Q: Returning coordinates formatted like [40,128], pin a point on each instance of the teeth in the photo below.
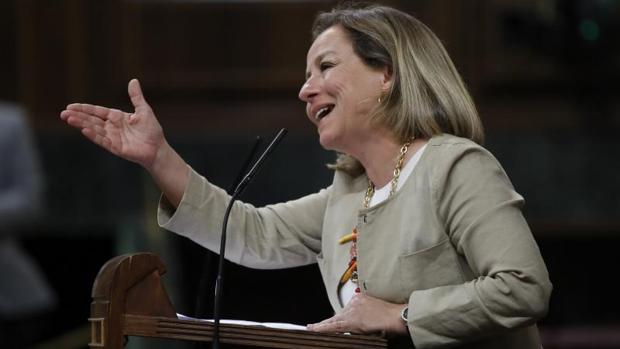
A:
[321,113]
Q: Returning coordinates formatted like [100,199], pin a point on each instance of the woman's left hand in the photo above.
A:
[365,314]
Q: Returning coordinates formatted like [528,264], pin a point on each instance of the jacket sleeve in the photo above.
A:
[481,213]
[275,236]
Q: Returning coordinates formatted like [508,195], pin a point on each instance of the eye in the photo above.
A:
[326,65]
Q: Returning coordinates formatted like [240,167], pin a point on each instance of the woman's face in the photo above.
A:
[340,91]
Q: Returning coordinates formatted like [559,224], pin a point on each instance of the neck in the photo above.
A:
[379,159]
[379,163]
[378,155]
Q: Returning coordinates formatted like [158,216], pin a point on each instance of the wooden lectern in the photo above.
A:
[130,300]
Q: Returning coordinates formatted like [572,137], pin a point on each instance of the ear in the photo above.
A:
[386,78]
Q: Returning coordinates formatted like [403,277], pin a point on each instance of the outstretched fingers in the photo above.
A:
[81,120]
[92,127]
[89,109]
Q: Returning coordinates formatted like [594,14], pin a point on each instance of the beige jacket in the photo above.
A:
[452,243]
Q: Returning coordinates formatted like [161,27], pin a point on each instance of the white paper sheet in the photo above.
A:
[280,325]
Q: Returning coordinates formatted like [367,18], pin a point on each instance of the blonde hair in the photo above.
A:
[427,96]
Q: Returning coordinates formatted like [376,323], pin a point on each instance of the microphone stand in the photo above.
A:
[238,191]
[206,264]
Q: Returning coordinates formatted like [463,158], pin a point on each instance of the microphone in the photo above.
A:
[238,191]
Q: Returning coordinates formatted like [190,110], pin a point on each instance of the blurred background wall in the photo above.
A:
[543,73]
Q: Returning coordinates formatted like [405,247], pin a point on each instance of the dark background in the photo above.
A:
[544,75]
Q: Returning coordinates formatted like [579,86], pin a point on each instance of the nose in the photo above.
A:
[308,90]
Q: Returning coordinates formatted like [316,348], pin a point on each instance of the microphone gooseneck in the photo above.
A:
[238,191]
[205,276]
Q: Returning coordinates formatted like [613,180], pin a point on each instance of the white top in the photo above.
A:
[347,291]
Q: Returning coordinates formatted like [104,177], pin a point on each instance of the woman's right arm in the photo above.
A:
[137,137]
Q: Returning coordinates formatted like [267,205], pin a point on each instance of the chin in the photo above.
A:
[329,142]
[325,141]
[324,144]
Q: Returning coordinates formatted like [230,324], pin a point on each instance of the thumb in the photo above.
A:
[135,93]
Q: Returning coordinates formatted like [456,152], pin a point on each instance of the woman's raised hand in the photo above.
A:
[136,136]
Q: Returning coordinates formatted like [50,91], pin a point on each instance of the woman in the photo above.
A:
[420,233]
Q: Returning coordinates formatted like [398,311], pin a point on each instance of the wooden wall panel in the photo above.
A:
[68,51]
[225,46]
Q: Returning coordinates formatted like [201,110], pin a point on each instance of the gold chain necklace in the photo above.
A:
[351,272]
[395,175]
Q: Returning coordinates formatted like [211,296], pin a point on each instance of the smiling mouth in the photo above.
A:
[323,112]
